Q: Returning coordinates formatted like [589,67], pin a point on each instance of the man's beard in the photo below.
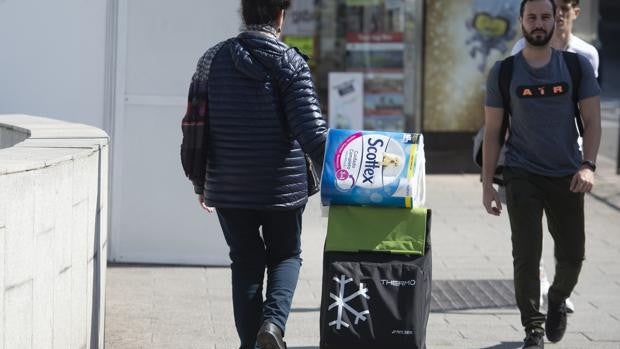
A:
[534,41]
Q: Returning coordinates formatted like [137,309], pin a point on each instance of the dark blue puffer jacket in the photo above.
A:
[263,114]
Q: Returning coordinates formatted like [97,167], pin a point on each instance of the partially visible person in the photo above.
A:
[564,40]
[252,114]
[544,171]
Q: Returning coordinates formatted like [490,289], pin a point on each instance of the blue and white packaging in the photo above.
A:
[373,168]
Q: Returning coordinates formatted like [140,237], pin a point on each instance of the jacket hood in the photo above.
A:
[256,54]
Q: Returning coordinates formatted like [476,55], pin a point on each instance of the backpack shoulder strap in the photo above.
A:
[504,80]
[574,68]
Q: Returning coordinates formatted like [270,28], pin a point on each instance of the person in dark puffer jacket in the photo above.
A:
[252,114]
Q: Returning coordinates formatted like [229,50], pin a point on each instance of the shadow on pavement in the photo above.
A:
[502,345]
[506,345]
[455,295]
[609,201]
[305,310]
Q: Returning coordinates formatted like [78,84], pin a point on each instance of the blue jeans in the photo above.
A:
[278,249]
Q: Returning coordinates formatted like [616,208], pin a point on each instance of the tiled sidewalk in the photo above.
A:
[176,307]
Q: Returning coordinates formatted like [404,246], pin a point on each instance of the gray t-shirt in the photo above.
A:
[543,134]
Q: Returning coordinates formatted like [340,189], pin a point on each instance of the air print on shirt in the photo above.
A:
[540,91]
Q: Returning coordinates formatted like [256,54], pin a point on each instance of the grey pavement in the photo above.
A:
[190,307]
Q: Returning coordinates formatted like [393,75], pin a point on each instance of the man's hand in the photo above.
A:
[489,196]
[491,148]
[201,200]
[583,181]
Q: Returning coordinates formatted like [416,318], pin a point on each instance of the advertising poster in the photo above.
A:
[346,100]
[364,2]
[384,101]
[376,52]
[304,43]
[463,40]
[300,18]
[299,27]
[375,43]
[380,57]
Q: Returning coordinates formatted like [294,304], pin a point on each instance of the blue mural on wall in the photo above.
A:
[493,23]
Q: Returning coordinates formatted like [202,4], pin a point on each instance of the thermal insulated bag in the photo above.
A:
[376,286]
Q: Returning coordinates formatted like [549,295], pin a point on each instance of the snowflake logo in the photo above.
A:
[342,303]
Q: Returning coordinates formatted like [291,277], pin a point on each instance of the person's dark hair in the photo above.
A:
[573,3]
[523,2]
[256,12]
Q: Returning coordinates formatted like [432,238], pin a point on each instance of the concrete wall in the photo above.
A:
[9,136]
[53,234]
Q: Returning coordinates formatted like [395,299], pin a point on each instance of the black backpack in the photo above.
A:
[505,78]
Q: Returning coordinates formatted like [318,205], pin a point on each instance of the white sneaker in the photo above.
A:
[544,290]
[570,307]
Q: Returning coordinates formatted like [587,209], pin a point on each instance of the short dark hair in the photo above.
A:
[573,3]
[262,11]
[523,2]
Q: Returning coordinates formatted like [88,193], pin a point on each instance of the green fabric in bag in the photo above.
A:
[378,229]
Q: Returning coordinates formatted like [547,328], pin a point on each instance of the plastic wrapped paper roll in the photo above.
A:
[373,168]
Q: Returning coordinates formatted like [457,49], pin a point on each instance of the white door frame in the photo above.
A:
[205,244]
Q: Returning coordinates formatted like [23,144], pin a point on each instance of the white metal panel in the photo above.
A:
[166,38]
[52,59]
[161,218]
[156,217]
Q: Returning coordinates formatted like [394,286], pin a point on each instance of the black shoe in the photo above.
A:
[555,326]
[534,339]
[270,337]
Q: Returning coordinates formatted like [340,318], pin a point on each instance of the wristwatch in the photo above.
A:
[590,164]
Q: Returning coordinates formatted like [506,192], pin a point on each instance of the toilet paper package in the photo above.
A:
[373,168]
